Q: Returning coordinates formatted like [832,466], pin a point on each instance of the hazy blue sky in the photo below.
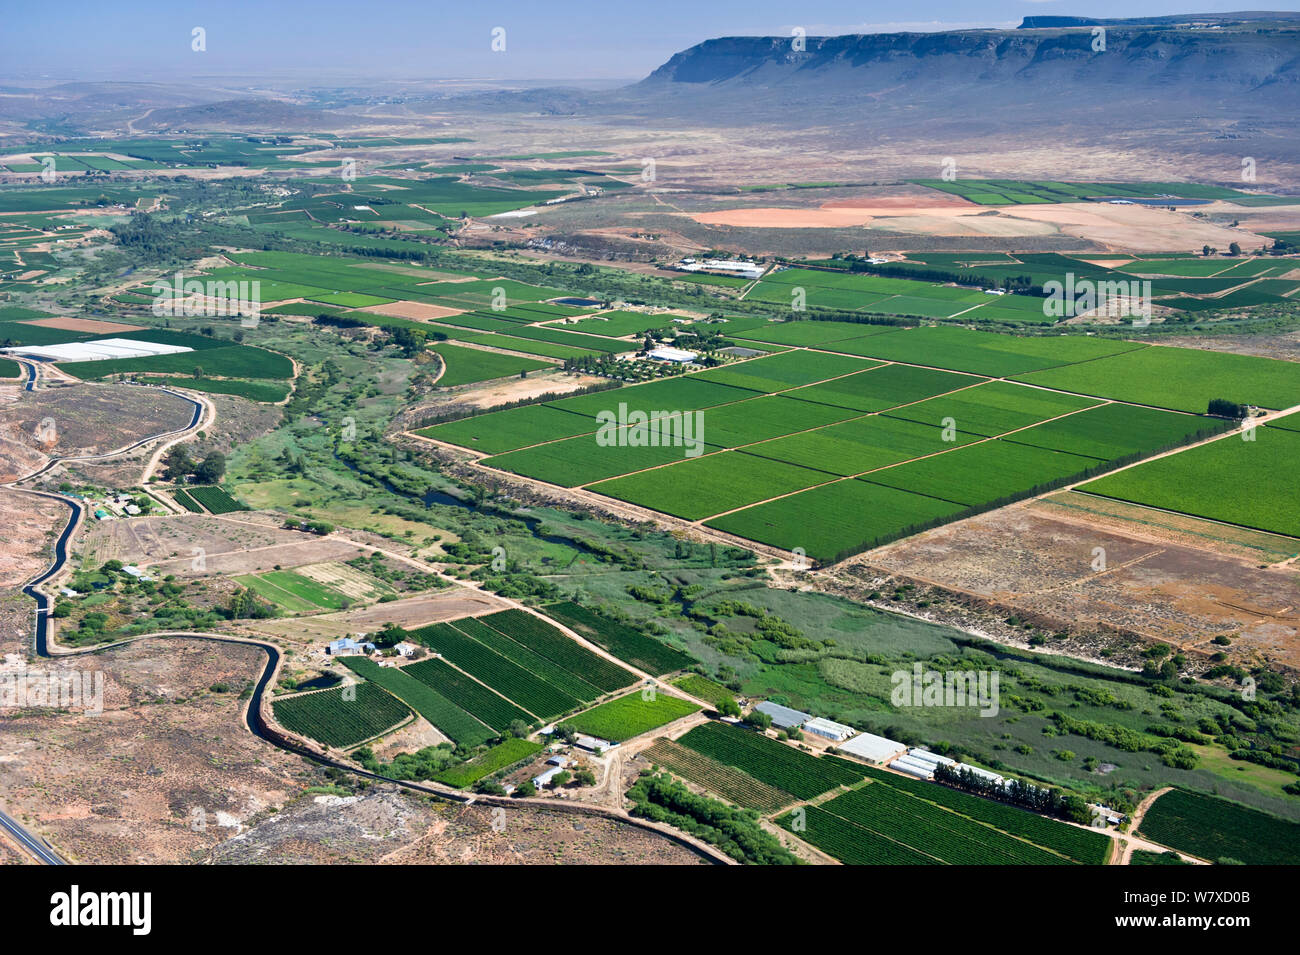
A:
[545,39]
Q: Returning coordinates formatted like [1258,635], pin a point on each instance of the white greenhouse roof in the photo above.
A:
[97,350]
[871,747]
[830,728]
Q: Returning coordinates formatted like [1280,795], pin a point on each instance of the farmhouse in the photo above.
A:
[347,647]
[405,649]
[542,780]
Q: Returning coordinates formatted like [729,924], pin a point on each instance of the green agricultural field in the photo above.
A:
[620,324]
[993,408]
[850,843]
[517,653]
[758,419]
[233,361]
[884,387]
[184,500]
[983,353]
[769,761]
[260,391]
[542,699]
[17,332]
[307,589]
[1081,845]
[983,472]
[934,830]
[702,688]
[215,499]
[1114,431]
[285,599]
[628,716]
[700,487]
[786,370]
[525,346]
[433,706]
[813,520]
[472,697]
[503,754]
[468,365]
[727,781]
[583,460]
[684,393]
[808,332]
[547,641]
[571,339]
[1184,379]
[863,444]
[639,649]
[1250,483]
[509,430]
[330,719]
[1216,829]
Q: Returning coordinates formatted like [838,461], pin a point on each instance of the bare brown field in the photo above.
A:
[171,543]
[415,311]
[409,612]
[390,826]
[1140,228]
[91,418]
[164,774]
[92,325]
[28,525]
[1106,574]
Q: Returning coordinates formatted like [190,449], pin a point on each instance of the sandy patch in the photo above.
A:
[1137,227]
[410,612]
[92,325]
[415,311]
[886,204]
[1141,228]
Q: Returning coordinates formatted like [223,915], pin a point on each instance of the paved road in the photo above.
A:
[34,846]
[30,843]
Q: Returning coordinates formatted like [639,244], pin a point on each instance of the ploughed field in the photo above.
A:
[861,434]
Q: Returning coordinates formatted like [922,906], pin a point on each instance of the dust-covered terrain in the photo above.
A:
[393,826]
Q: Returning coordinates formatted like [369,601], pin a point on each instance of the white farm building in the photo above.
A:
[873,748]
[98,350]
[829,729]
[676,356]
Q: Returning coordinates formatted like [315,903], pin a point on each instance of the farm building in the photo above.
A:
[676,356]
[405,649]
[829,729]
[97,350]
[783,717]
[913,767]
[934,759]
[542,780]
[984,774]
[592,744]
[749,270]
[347,647]
[873,748]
